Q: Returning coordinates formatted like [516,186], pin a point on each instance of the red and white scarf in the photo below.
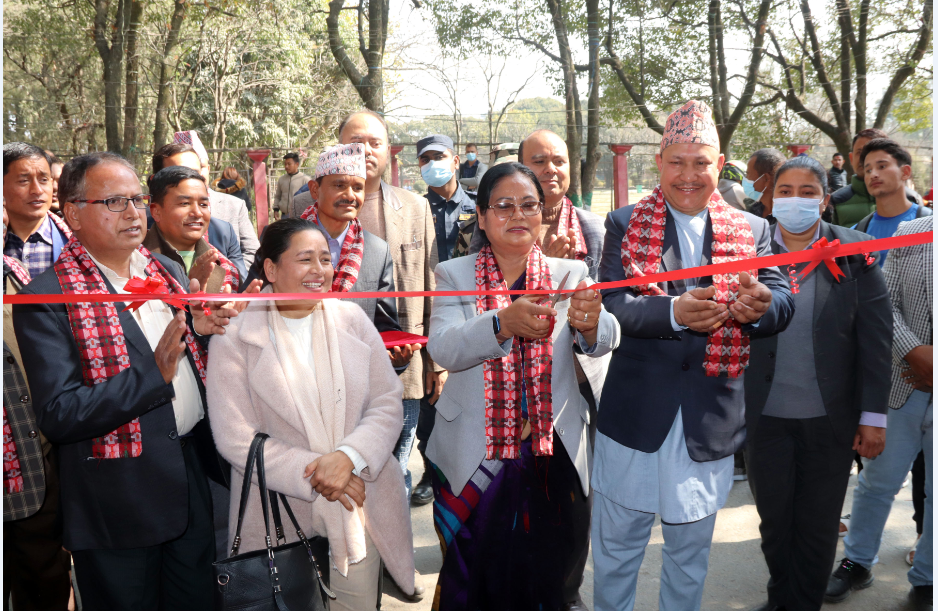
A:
[102,347]
[569,220]
[643,244]
[350,257]
[12,473]
[63,227]
[21,273]
[502,380]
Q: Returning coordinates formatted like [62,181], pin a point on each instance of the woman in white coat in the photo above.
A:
[314,375]
[510,446]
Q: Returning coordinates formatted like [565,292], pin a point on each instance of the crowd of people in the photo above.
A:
[553,420]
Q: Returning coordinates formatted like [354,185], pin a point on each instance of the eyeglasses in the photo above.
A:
[119,204]
[504,210]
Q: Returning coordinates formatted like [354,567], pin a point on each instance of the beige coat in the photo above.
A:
[248,392]
[412,239]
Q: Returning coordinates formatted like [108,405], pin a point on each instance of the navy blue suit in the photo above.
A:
[656,370]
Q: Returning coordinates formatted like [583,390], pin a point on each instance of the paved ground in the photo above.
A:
[737,574]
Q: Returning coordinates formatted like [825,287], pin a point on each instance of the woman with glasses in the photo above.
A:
[510,450]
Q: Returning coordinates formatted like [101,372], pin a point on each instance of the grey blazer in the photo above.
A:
[377,274]
[461,341]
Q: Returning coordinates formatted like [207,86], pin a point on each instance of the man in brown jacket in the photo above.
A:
[403,220]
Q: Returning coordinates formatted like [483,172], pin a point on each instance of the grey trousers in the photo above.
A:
[619,537]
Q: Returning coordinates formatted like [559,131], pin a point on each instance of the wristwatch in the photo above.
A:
[497,327]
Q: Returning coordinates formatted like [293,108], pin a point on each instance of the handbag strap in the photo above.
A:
[275,511]
[246,488]
[275,508]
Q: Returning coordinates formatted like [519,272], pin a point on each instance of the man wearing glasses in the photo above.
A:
[124,401]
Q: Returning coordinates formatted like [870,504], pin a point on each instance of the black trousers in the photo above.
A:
[176,575]
[799,472]
[35,567]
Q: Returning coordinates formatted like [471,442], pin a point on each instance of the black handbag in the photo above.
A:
[287,577]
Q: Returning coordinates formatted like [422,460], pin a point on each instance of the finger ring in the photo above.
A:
[585,316]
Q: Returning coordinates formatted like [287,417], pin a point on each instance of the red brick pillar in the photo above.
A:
[261,203]
[395,168]
[620,175]
[797,149]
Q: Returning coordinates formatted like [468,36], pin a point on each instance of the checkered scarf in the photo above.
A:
[17,268]
[232,276]
[350,257]
[100,338]
[567,220]
[642,246]
[502,389]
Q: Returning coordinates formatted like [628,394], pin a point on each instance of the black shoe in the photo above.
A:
[767,606]
[423,491]
[848,576]
[576,605]
[921,598]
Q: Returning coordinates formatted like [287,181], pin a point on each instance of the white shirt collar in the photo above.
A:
[138,265]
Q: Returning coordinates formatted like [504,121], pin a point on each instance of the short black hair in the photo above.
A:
[14,151]
[72,181]
[888,146]
[292,156]
[871,132]
[803,162]
[836,155]
[370,113]
[768,160]
[170,150]
[276,239]
[169,177]
[472,144]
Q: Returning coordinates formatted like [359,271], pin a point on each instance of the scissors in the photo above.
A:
[558,296]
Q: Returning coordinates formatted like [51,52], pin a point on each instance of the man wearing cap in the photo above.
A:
[361,259]
[404,221]
[673,414]
[449,203]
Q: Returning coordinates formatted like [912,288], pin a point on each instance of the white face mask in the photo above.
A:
[796,214]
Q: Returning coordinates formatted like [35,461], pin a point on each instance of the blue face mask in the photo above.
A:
[749,186]
[471,156]
[796,214]
[437,173]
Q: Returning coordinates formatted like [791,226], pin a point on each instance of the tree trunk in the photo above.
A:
[592,111]
[112,57]
[160,130]
[571,98]
[133,67]
[370,87]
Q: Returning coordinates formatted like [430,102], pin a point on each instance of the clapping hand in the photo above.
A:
[216,320]
[561,246]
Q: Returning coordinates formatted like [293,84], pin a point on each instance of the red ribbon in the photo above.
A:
[809,254]
[151,286]
[829,262]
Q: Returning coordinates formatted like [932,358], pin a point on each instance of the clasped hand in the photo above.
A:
[331,476]
[696,310]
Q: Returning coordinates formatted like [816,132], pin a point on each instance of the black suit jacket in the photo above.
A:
[852,342]
[110,503]
[656,370]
